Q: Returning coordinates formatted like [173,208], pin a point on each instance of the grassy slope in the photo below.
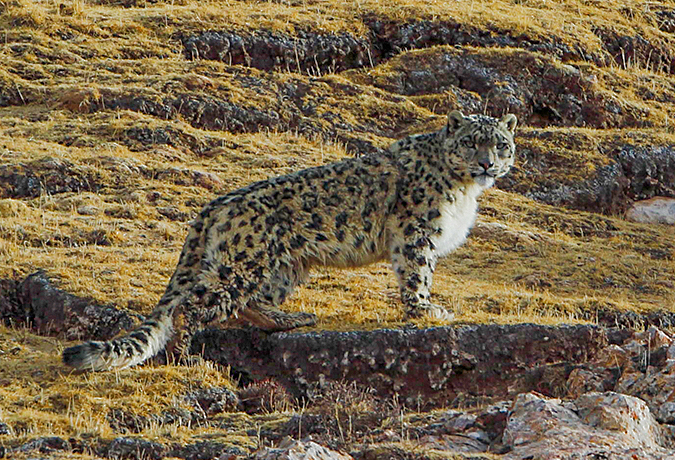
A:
[555,265]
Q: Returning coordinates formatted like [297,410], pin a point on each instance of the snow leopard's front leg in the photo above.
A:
[413,260]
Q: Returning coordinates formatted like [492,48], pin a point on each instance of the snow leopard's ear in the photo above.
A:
[455,120]
[510,121]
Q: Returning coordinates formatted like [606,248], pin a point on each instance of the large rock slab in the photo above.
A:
[427,367]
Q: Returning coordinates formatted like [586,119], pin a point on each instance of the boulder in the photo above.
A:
[52,311]
[657,210]
[595,425]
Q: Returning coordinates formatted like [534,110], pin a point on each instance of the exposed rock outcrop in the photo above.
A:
[313,53]
[51,311]
[537,88]
[634,174]
[48,176]
[429,367]
[615,388]
[298,450]
[320,52]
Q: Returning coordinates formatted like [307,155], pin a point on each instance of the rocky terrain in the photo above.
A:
[120,119]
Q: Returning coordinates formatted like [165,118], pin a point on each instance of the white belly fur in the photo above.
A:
[457,218]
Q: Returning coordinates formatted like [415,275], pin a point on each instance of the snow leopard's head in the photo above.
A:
[485,143]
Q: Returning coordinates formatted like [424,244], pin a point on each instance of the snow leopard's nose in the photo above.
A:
[485,163]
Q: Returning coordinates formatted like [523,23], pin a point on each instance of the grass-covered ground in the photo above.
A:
[116,137]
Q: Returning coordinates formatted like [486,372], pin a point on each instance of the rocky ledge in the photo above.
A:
[507,391]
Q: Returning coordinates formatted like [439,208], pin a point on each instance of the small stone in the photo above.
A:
[211,401]
[462,423]
[173,213]
[583,380]
[454,443]
[87,210]
[658,338]
[666,413]
[612,356]
[46,444]
[198,82]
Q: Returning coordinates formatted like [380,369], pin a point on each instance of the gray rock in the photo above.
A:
[210,401]
[298,450]
[137,449]
[657,210]
[207,450]
[666,413]
[45,445]
[596,425]
[472,442]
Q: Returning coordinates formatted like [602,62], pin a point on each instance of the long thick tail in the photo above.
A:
[140,344]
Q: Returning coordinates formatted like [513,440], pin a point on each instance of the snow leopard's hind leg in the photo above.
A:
[272,320]
[255,294]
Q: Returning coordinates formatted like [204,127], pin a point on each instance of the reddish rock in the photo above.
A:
[431,367]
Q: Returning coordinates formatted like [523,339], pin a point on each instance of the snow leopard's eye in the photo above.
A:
[468,143]
[502,146]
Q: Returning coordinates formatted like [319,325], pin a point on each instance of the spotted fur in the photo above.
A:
[250,248]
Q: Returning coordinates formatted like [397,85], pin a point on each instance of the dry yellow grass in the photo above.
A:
[117,243]
[41,398]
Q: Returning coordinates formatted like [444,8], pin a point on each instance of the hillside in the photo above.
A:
[120,119]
